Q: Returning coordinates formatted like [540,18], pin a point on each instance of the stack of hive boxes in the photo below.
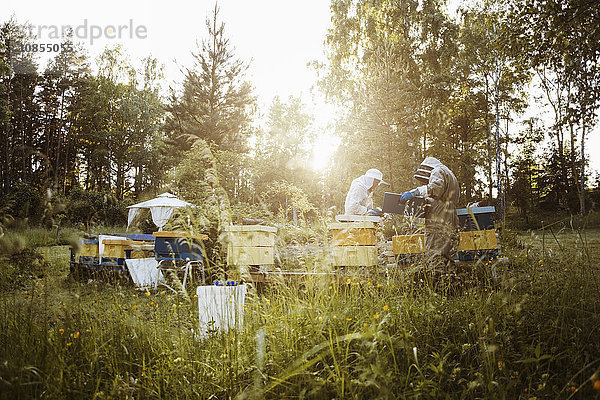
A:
[251,245]
[354,242]
[477,233]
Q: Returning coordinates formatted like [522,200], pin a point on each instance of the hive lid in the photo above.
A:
[357,218]
[475,210]
[251,228]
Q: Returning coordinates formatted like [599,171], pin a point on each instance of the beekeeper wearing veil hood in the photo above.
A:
[440,190]
[359,200]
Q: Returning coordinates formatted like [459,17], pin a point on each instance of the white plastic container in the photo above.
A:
[220,307]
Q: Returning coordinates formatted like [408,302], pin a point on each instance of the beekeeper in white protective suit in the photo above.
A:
[359,200]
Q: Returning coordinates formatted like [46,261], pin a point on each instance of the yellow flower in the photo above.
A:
[375,315]
[369,283]
[147,294]
[151,303]
[365,324]
[348,281]
[385,308]
[348,319]
[88,331]
[566,269]
[76,335]
[500,365]
[320,319]
[163,292]
[134,307]
[69,344]
[330,287]
[61,331]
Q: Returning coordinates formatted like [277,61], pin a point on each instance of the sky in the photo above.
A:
[277,37]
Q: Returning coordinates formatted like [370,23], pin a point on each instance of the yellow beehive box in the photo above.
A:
[354,256]
[251,235]
[353,234]
[114,248]
[142,250]
[408,244]
[478,240]
[247,255]
[87,249]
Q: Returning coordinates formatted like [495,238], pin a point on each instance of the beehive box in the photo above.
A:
[476,218]
[478,240]
[88,250]
[353,234]
[354,256]
[251,235]
[178,246]
[114,248]
[408,244]
[353,243]
[251,245]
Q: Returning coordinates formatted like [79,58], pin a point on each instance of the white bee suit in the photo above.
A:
[359,199]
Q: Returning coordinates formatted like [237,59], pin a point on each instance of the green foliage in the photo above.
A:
[524,334]
[92,207]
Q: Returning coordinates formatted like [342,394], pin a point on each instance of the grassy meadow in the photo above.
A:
[525,329]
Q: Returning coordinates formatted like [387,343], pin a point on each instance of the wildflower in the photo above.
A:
[163,293]
[540,261]
[320,319]
[500,365]
[566,269]
[369,283]
[155,312]
[330,287]
[375,315]
[147,294]
[365,324]
[88,331]
[348,319]
[134,307]
[151,303]
[378,286]
[573,389]
[76,335]
[195,296]
[597,385]
[69,344]
[348,281]
[61,331]
[385,308]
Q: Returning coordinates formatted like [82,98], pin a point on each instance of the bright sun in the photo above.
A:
[326,142]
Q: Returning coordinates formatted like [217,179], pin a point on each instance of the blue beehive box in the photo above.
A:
[178,246]
[476,218]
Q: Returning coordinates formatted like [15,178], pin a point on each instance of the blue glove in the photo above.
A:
[406,196]
[374,211]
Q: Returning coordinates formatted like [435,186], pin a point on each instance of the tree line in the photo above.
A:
[411,81]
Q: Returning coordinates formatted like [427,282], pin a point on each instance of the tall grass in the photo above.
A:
[530,330]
